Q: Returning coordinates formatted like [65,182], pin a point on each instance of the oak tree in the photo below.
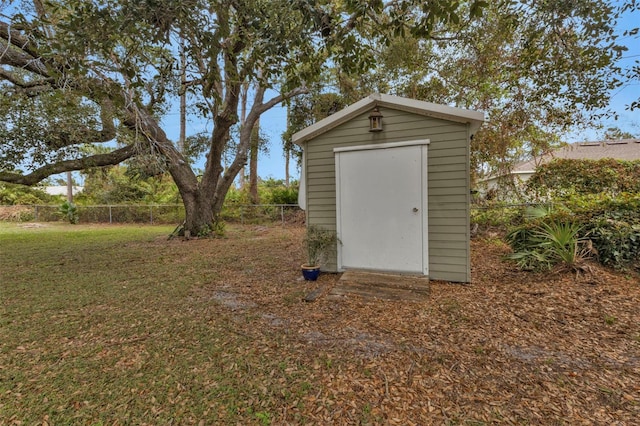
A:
[121,60]
[538,69]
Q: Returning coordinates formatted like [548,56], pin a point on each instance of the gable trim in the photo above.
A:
[386,145]
[473,118]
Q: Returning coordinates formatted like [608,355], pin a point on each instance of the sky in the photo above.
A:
[273,122]
[623,96]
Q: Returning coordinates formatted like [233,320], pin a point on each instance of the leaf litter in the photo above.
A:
[512,347]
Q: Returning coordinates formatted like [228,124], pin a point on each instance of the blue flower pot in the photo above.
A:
[310,273]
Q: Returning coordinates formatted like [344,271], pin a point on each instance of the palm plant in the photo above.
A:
[549,244]
[70,212]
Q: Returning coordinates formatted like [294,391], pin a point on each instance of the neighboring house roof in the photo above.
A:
[623,149]
[474,118]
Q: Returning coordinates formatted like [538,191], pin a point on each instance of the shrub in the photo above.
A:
[562,178]
[496,215]
[16,213]
[611,224]
[544,245]
[617,242]
[283,195]
[11,194]
[70,212]
[319,243]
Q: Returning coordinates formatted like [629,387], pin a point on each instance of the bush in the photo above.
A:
[11,194]
[496,215]
[617,242]
[283,195]
[319,244]
[612,224]
[547,244]
[16,213]
[70,212]
[562,178]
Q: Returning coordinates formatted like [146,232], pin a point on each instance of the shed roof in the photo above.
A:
[623,149]
[474,118]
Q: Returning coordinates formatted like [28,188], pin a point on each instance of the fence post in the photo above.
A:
[36,213]
[151,213]
[110,218]
[282,213]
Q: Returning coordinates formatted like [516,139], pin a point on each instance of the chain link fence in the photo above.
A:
[501,214]
[154,214]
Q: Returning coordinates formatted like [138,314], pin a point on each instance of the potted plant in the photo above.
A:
[318,243]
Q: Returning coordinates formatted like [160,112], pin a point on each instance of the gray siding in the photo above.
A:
[448,182]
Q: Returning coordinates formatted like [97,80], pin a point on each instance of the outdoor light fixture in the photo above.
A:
[375,120]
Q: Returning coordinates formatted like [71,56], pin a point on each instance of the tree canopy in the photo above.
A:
[119,59]
[76,72]
[538,69]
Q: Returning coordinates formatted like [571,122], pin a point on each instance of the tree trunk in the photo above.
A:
[287,151]
[200,219]
[203,200]
[183,97]
[198,197]
[287,156]
[244,91]
[253,164]
[69,188]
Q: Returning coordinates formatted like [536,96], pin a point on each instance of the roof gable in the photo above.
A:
[473,118]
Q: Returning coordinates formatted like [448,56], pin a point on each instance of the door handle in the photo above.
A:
[415,210]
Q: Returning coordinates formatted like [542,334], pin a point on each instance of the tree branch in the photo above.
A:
[16,39]
[98,160]
[28,88]
[259,108]
[87,134]
[19,59]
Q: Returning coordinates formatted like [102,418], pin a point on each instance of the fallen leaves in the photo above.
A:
[512,347]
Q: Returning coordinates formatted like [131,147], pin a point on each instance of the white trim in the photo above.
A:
[460,115]
[382,145]
[434,110]
[338,215]
[332,121]
[425,209]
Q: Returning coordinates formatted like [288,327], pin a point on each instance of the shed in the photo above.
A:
[398,198]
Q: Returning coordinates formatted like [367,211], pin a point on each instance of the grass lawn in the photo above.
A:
[106,325]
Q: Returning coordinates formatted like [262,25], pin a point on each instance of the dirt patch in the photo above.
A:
[33,225]
[230,300]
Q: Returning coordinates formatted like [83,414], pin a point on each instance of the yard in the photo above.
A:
[116,325]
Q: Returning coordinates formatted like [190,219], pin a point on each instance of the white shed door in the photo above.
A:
[381,208]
